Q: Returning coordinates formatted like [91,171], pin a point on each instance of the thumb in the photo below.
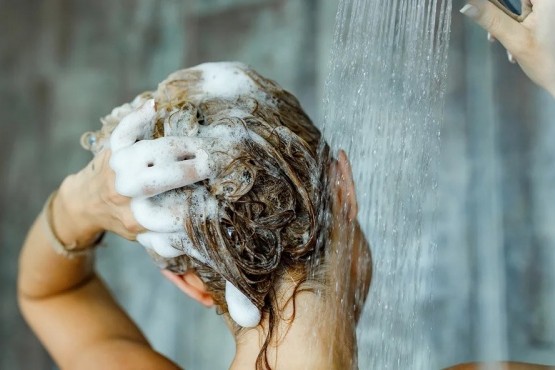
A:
[504,28]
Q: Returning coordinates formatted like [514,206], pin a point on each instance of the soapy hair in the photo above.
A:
[269,196]
[268,224]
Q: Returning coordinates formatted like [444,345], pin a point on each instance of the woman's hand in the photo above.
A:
[88,204]
[65,303]
[531,42]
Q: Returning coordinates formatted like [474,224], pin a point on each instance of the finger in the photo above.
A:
[147,153]
[173,277]
[162,243]
[159,179]
[170,245]
[501,26]
[491,38]
[510,57]
[137,125]
[145,169]
[163,213]
[129,222]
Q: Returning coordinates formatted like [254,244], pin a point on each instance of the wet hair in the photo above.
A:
[269,196]
[271,229]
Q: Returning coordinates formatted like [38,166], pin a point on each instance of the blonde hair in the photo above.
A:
[269,197]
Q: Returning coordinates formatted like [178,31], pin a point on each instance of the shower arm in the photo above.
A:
[526,9]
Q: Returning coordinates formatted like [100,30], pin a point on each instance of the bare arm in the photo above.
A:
[65,303]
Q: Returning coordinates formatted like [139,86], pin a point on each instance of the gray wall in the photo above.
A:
[65,63]
[494,285]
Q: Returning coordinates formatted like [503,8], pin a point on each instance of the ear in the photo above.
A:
[190,284]
[345,186]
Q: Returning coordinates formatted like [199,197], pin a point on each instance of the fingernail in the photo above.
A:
[491,38]
[470,11]
[511,57]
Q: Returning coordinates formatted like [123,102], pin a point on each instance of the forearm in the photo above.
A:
[67,306]
[43,272]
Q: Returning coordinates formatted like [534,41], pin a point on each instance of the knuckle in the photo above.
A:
[128,235]
[115,160]
[524,47]
[130,224]
[111,195]
[528,44]
[492,23]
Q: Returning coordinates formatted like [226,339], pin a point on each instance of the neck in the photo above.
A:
[313,340]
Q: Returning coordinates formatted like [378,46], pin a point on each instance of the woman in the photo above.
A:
[217,174]
[92,331]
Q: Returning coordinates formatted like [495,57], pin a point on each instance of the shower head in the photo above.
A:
[517,9]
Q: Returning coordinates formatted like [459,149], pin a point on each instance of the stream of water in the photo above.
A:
[383,106]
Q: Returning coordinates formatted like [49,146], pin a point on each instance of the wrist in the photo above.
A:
[71,222]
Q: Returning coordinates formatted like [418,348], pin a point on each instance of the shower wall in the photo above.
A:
[494,294]
[65,63]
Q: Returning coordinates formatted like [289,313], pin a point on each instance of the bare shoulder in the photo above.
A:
[121,354]
[507,366]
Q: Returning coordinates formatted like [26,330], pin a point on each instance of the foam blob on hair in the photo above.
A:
[225,81]
[170,245]
[240,151]
[136,126]
[240,308]
[151,167]
[162,213]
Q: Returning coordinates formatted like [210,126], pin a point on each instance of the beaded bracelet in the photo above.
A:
[71,250]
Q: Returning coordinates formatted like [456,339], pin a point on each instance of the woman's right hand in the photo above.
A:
[531,42]
[118,182]
[88,204]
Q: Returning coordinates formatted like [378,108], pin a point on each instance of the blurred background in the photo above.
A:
[65,63]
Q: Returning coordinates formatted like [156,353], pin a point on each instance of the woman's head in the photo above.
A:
[257,220]
[266,188]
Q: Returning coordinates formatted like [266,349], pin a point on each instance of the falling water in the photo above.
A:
[383,106]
